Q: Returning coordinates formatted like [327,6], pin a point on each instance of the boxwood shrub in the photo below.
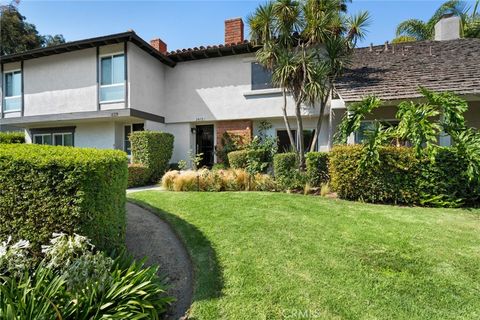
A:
[317,168]
[138,175]
[238,159]
[12,137]
[393,181]
[444,182]
[401,178]
[46,189]
[153,149]
[284,163]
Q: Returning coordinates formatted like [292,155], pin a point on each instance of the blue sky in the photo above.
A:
[183,24]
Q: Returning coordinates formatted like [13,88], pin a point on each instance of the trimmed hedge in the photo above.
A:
[444,182]
[394,181]
[153,149]
[138,175]
[401,178]
[46,189]
[12,137]
[317,168]
[284,163]
[238,159]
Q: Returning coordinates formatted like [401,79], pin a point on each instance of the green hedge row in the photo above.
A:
[284,163]
[153,149]
[401,178]
[317,168]
[138,175]
[46,189]
[12,137]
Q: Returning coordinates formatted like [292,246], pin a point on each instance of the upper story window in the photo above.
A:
[261,77]
[13,91]
[112,78]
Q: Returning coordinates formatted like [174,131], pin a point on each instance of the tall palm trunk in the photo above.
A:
[301,146]
[285,119]
[323,105]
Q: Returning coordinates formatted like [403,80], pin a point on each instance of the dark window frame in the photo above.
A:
[261,78]
[52,132]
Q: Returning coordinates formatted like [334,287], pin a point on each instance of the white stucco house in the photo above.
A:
[95,92]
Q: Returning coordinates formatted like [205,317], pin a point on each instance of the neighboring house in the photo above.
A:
[95,92]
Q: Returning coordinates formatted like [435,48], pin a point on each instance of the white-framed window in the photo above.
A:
[128,129]
[112,78]
[54,139]
[63,139]
[43,138]
[12,88]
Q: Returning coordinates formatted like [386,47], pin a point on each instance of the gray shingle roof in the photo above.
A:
[396,73]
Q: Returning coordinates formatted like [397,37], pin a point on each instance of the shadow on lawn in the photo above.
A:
[208,276]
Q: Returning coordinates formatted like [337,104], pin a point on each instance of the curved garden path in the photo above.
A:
[149,236]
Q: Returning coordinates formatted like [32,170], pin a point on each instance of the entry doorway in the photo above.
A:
[205,144]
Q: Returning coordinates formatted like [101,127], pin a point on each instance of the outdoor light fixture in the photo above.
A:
[193,130]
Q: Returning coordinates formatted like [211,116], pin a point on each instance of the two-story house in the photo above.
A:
[95,92]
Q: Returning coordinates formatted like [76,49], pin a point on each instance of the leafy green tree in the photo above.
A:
[305,44]
[418,30]
[17,35]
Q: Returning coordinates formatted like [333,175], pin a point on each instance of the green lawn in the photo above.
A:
[274,256]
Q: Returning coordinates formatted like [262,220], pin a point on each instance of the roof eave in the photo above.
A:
[88,43]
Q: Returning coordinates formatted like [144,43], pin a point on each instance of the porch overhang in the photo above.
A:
[102,115]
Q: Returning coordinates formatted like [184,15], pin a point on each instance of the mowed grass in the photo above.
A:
[281,256]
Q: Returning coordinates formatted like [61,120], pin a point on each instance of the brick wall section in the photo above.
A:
[233,31]
[159,45]
[242,128]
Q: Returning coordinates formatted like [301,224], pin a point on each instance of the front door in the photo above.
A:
[205,144]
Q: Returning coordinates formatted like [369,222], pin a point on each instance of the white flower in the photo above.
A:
[3,250]
[21,244]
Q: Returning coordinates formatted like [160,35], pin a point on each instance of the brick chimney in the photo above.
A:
[233,31]
[448,28]
[159,45]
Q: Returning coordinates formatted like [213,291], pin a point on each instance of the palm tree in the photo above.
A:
[305,44]
[418,30]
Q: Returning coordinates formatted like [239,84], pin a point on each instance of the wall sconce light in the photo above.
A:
[193,130]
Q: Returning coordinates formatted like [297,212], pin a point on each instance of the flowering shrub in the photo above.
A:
[14,258]
[74,282]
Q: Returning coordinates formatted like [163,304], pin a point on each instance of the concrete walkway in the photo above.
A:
[149,236]
[146,188]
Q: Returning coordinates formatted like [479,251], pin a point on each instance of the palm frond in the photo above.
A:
[357,25]
[262,23]
[416,29]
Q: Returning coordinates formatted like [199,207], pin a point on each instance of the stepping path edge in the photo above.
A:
[149,235]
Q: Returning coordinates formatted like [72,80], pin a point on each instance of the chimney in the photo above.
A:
[448,28]
[159,45]
[233,31]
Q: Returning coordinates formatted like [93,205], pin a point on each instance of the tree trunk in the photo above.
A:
[301,147]
[323,104]
[287,123]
